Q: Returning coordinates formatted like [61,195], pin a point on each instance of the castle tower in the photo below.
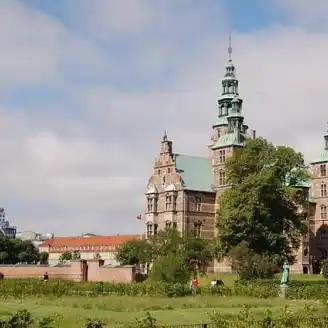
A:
[229,130]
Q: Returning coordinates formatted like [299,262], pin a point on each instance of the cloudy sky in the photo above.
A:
[88,86]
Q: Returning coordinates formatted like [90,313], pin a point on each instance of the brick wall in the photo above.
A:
[74,271]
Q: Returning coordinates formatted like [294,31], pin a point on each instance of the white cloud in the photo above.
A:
[80,168]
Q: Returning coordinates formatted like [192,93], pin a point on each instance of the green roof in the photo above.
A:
[229,140]
[196,172]
[221,120]
[323,158]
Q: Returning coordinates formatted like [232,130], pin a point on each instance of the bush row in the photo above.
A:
[19,288]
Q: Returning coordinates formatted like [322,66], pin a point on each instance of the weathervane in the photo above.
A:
[230,47]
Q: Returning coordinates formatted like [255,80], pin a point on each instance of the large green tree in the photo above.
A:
[167,244]
[17,250]
[260,209]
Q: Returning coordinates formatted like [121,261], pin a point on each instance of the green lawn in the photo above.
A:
[73,311]
[118,309]
[229,279]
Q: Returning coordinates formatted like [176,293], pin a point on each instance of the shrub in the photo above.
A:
[250,265]
[170,268]
[324,268]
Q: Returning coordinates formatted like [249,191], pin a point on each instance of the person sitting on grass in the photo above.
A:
[46,276]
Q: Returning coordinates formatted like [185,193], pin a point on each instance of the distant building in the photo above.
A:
[5,227]
[36,238]
[88,247]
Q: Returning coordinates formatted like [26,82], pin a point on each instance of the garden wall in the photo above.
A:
[76,270]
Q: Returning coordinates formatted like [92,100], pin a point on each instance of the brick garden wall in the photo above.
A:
[73,271]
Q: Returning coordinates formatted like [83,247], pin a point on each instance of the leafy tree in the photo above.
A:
[76,255]
[3,257]
[261,206]
[44,256]
[250,265]
[135,252]
[66,256]
[23,256]
[170,268]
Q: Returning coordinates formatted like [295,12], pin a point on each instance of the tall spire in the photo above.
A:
[230,48]
[326,139]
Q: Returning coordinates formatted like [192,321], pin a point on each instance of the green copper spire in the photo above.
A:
[229,86]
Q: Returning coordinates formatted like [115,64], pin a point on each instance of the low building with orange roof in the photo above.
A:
[88,247]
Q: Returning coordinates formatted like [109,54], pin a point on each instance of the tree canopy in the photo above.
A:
[16,250]
[261,206]
[162,249]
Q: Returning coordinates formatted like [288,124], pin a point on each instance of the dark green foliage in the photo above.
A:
[251,265]
[165,250]
[261,207]
[66,256]
[170,268]
[324,268]
[17,250]
[44,256]
[134,252]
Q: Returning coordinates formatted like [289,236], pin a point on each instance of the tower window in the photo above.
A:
[222,156]
[198,204]
[323,190]
[222,178]
[168,202]
[149,231]
[150,204]
[168,170]
[323,170]
[323,212]
[159,172]
[197,229]
[155,229]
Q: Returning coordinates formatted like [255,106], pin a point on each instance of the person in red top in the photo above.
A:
[194,286]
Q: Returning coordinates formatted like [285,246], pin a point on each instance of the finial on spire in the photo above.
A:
[165,135]
[230,47]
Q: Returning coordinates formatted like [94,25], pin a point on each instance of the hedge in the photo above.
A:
[19,288]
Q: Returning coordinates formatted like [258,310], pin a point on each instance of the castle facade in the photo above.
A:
[182,191]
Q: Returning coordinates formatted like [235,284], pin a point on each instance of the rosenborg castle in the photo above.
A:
[182,190]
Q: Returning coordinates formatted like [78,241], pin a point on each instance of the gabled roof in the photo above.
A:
[196,172]
[90,241]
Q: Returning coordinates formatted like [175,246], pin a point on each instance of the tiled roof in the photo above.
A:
[90,241]
[196,172]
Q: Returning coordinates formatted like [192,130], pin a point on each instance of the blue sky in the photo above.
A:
[88,87]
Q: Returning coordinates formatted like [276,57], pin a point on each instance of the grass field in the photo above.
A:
[73,311]
[117,309]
